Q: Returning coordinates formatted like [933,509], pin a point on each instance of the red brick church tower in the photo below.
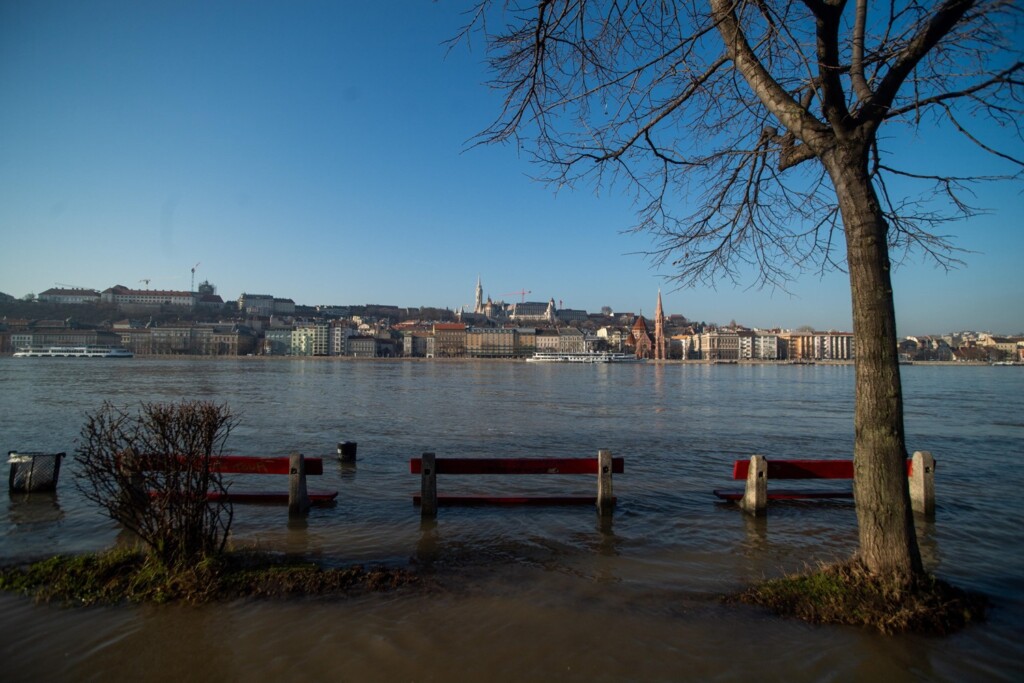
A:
[659,332]
[640,340]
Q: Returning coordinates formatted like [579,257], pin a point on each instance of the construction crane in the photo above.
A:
[521,293]
[194,277]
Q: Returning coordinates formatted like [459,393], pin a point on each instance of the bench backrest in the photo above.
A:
[516,465]
[247,464]
[803,469]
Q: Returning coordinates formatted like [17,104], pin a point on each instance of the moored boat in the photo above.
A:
[586,357]
[84,351]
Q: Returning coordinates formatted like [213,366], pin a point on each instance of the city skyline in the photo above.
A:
[325,153]
[720,321]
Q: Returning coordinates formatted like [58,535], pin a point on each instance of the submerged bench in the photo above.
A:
[429,466]
[758,470]
[295,465]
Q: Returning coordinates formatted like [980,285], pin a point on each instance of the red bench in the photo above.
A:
[296,468]
[429,466]
[757,471]
[295,465]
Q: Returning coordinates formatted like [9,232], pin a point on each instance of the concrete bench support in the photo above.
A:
[755,497]
[922,483]
[133,488]
[428,486]
[298,496]
[605,497]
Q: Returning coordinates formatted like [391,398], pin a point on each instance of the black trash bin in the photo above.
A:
[347,451]
[34,471]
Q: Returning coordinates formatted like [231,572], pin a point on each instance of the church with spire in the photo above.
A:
[660,348]
[640,340]
[487,308]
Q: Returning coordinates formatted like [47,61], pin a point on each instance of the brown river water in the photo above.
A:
[528,594]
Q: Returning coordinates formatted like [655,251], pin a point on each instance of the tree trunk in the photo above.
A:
[888,541]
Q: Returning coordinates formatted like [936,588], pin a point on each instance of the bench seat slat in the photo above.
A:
[467,500]
[516,465]
[274,497]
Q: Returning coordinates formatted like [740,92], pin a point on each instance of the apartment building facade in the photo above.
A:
[718,345]
[449,340]
[756,345]
[491,342]
[62,337]
[815,346]
[311,339]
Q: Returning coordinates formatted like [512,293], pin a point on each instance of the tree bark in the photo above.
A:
[888,541]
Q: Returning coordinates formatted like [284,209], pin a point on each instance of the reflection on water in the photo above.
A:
[28,509]
[757,533]
[926,540]
[516,594]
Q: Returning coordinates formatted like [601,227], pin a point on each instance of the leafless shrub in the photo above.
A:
[151,471]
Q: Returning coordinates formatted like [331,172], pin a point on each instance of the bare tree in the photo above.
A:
[152,473]
[748,132]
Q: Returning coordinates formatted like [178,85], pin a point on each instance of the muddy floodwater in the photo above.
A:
[527,594]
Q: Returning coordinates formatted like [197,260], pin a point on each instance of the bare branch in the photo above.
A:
[719,118]
[780,103]
[929,34]
[857,77]
[665,111]
[1003,78]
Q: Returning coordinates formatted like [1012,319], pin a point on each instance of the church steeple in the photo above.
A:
[479,307]
[659,332]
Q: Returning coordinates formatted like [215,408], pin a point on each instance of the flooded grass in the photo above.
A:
[125,576]
[835,594]
[848,594]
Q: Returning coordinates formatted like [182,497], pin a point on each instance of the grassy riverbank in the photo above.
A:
[127,576]
[847,594]
[838,594]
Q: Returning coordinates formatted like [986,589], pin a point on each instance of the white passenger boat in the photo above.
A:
[591,357]
[86,351]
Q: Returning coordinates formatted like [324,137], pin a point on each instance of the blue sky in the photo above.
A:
[318,151]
